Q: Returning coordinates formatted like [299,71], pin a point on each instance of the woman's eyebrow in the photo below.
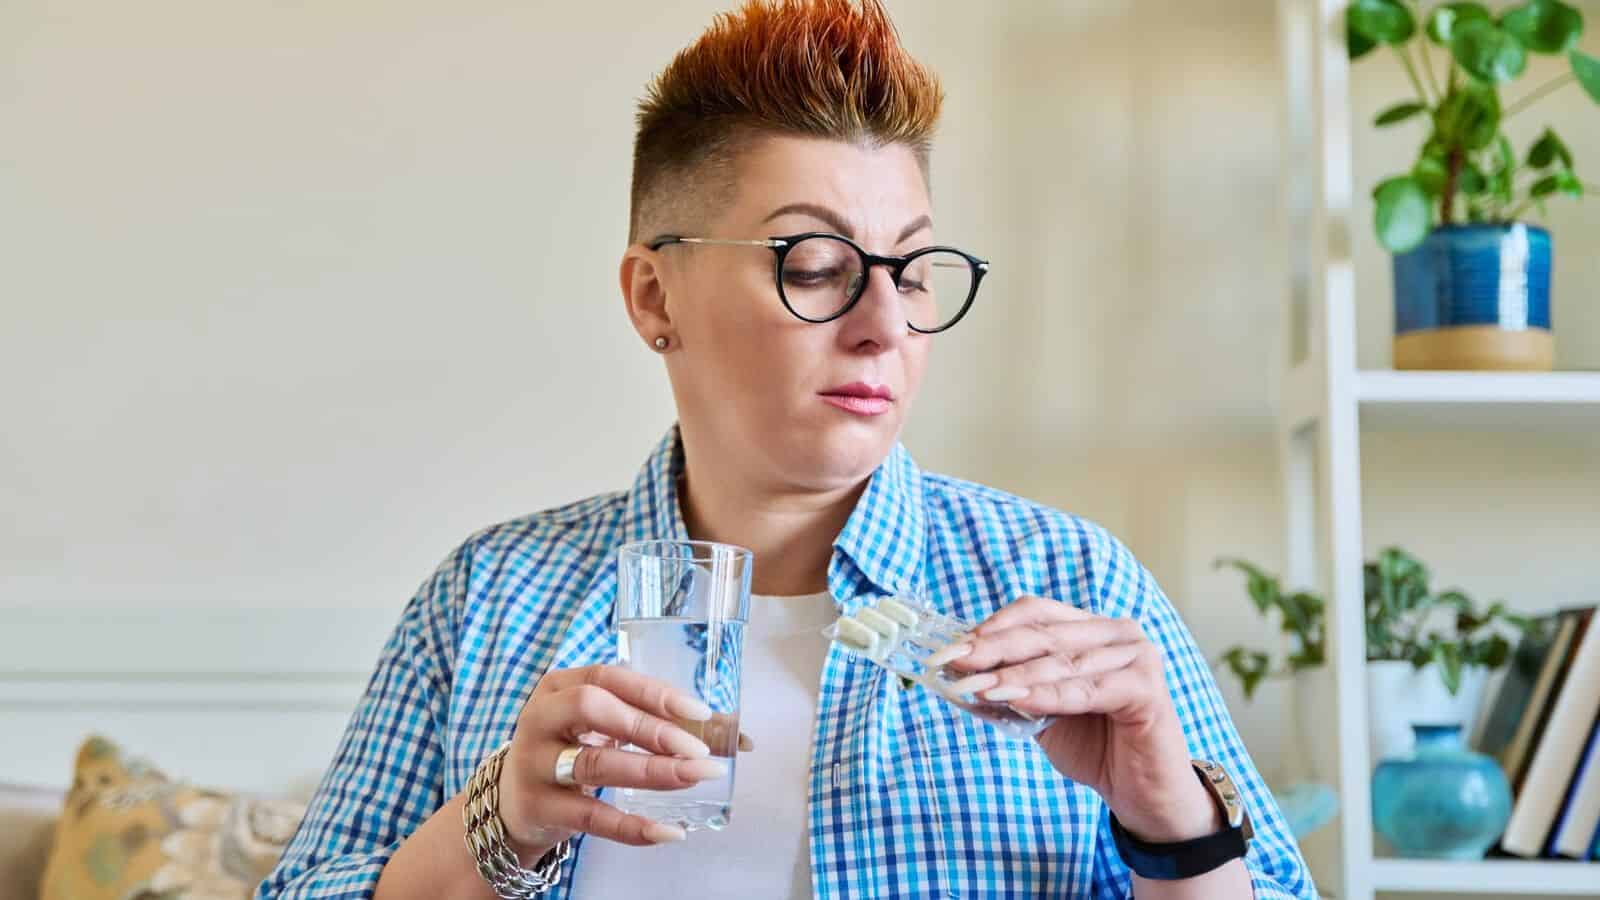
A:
[838,223]
[917,224]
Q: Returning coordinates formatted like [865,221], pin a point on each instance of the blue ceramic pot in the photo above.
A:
[1474,297]
[1442,801]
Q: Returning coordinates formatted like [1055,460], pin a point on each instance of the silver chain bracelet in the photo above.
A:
[489,846]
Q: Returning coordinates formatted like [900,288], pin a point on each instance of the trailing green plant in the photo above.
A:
[1300,615]
[1405,621]
[1467,169]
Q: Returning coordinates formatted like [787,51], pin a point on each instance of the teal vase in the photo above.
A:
[1442,801]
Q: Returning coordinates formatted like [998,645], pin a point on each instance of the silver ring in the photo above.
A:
[566,761]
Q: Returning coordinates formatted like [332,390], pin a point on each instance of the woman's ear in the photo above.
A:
[644,294]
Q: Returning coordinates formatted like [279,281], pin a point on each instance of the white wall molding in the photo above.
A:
[251,699]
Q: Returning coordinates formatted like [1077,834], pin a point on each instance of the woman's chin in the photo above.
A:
[846,455]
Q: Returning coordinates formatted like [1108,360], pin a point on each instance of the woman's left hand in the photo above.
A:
[1117,732]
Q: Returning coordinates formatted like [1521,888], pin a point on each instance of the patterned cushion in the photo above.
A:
[128,832]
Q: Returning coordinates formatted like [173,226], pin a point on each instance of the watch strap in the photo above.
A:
[1180,859]
[1196,856]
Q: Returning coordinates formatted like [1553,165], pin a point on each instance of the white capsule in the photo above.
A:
[856,635]
[898,611]
[879,622]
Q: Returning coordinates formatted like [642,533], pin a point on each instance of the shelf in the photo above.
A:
[1538,401]
[1499,877]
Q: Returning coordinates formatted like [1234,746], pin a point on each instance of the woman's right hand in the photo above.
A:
[569,707]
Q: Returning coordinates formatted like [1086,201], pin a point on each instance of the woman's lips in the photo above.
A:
[859,404]
[860,398]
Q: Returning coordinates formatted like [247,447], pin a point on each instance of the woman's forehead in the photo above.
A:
[853,188]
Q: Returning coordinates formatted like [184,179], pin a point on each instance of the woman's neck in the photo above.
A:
[791,533]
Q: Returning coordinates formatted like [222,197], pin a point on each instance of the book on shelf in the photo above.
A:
[1558,745]
[1578,824]
[1516,689]
[1528,714]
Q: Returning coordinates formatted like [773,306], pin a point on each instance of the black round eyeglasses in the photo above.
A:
[821,275]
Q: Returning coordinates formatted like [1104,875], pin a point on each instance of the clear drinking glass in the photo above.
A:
[680,617]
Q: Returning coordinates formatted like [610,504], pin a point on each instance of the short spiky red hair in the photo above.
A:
[814,68]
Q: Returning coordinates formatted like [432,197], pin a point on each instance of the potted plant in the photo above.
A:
[1428,654]
[1471,275]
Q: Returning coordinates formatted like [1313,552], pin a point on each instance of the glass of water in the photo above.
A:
[680,616]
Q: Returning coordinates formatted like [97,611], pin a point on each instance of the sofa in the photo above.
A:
[206,842]
[27,819]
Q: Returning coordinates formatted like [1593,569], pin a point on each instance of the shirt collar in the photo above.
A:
[884,537]
[882,540]
[653,511]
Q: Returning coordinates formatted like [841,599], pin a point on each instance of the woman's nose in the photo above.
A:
[879,315]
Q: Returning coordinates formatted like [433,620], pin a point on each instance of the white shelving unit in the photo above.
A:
[1498,878]
[1326,404]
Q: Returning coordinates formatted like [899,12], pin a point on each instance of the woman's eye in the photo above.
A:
[809,277]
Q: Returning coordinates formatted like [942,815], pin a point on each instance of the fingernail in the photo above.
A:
[1009,692]
[703,769]
[975,683]
[692,709]
[745,744]
[685,744]
[948,653]
[657,833]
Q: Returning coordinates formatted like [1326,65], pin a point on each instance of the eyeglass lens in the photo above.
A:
[822,275]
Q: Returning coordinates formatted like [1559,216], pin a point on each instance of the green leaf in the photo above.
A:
[1302,613]
[1448,656]
[1383,21]
[1587,69]
[1419,655]
[1500,188]
[1431,173]
[1547,150]
[1250,666]
[1313,655]
[1469,117]
[1403,217]
[1263,588]
[1444,20]
[1398,113]
[1522,623]
[1357,44]
[1507,155]
[1472,181]
[1564,182]
[1502,178]
[1491,653]
[1487,52]
[1469,620]
[1544,26]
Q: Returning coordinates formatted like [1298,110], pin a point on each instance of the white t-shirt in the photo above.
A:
[765,850]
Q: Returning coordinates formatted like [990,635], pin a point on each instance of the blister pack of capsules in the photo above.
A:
[898,633]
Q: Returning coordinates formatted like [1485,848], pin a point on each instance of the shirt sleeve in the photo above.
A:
[387,777]
[1125,588]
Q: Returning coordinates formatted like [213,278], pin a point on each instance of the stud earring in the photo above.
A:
[662,342]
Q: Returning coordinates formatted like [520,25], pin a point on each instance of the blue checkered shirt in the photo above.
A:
[909,798]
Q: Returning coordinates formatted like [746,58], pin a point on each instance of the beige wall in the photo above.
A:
[295,296]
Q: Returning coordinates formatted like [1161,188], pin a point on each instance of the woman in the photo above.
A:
[780,201]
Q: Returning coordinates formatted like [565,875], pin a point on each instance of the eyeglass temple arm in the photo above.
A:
[664,240]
